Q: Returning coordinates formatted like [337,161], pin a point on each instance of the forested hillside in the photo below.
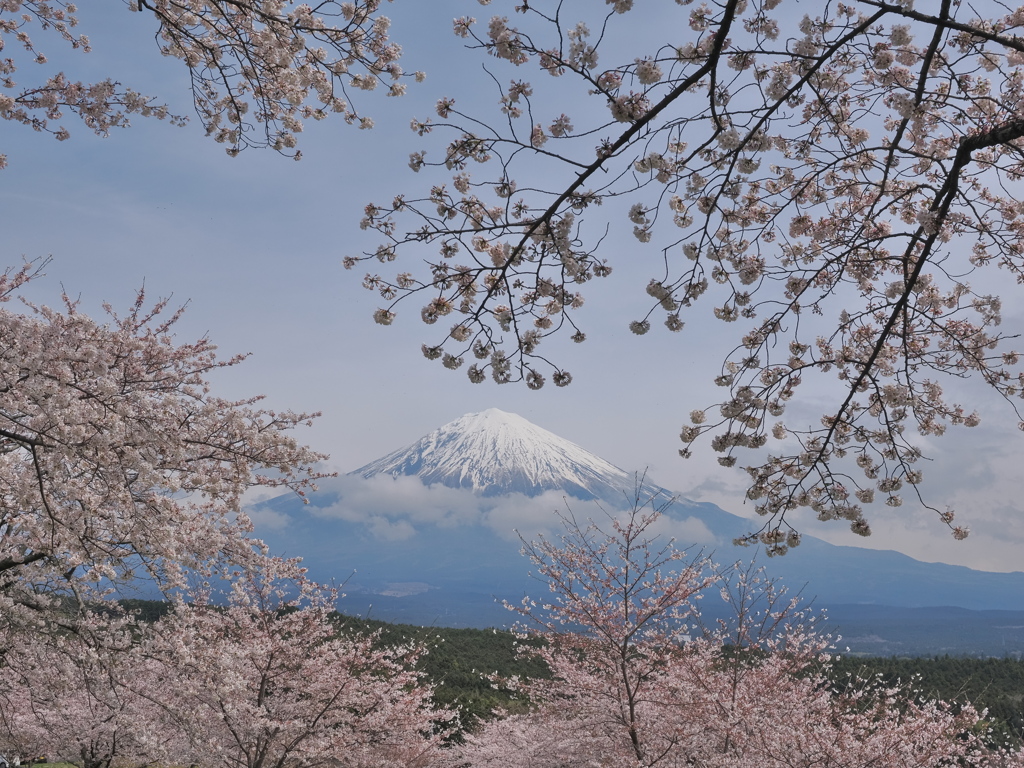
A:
[461,660]
[993,684]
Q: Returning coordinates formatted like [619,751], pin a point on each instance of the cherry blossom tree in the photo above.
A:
[637,679]
[830,178]
[117,461]
[258,68]
[272,681]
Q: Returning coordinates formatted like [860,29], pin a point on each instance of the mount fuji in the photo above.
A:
[495,453]
[430,534]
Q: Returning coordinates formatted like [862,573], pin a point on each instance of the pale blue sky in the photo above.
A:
[255,245]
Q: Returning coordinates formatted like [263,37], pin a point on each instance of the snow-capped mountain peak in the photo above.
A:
[494,453]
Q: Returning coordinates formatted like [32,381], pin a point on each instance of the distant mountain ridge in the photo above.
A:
[496,453]
[426,535]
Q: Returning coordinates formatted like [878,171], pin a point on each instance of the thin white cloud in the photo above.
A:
[268,519]
[390,530]
[400,498]
[394,508]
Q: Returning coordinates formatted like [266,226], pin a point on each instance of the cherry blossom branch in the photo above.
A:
[256,67]
[809,168]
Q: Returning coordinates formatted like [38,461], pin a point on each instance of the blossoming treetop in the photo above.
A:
[116,461]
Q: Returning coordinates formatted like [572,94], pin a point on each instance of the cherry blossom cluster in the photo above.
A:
[93,695]
[827,178]
[258,68]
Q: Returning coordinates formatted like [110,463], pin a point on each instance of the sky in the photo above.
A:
[254,246]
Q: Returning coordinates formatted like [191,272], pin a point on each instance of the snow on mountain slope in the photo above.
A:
[495,453]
